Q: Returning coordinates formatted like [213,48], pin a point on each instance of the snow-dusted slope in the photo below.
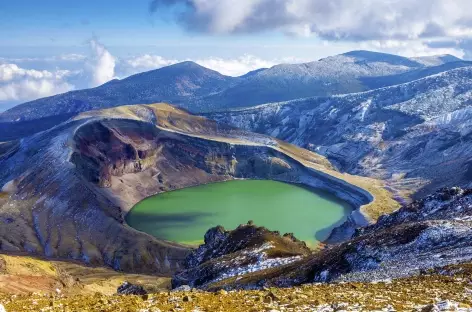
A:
[436,59]
[414,132]
[199,89]
[341,74]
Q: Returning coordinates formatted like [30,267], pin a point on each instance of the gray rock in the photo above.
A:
[183,288]
[129,289]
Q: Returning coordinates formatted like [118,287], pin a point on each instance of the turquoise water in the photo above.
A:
[185,215]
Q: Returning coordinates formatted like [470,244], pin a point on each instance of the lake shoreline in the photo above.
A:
[308,212]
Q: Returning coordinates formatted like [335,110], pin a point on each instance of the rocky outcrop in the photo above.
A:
[453,204]
[65,191]
[432,233]
[230,254]
[129,289]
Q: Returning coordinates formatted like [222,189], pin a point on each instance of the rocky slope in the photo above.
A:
[416,135]
[431,292]
[199,89]
[432,233]
[230,254]
[65,191]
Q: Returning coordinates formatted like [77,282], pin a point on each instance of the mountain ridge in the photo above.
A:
[388,133]
[199,89]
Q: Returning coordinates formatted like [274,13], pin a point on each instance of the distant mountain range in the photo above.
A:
[342,74]
[199,89]
[412,127]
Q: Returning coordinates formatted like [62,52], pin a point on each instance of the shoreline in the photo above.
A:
[312,244]
[313,176]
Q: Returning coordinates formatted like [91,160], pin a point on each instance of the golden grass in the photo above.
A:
[408,294]
[21,274]
[25,265]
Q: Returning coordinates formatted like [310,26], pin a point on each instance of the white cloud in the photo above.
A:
[148,62]
[333,19]
[231,67]
[19,84]
[410,48]
[101,64]
[9,72]
[31,89]
[236,67]
[408,22]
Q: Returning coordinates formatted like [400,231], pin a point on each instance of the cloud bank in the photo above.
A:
[18,84]
[421,23]
[238,66]
[231,67]
[331,20]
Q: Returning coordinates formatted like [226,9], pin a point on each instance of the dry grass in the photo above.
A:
[407,294]
[21,274]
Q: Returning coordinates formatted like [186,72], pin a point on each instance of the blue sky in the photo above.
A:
[66,26]
[52,27]
[53,46]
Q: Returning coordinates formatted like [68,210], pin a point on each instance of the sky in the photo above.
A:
[54,46]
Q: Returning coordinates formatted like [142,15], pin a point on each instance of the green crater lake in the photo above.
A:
[185,215]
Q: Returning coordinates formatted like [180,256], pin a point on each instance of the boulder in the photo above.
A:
[129,289]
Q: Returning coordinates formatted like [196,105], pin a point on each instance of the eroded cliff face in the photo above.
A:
[66,191]
[132,160]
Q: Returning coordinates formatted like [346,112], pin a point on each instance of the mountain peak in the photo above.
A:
[435,60]
[187,65]
[370,57]
[366,54]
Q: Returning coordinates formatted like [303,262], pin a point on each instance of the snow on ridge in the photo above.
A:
[334,67]
[262,264]
[435,60]
[450,72]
